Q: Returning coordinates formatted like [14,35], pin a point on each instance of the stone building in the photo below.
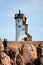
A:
[22,27]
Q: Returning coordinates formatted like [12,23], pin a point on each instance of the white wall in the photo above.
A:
[20,32]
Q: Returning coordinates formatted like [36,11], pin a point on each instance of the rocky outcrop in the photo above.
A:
[21,53]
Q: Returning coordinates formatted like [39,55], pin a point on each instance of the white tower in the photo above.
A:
[21,26]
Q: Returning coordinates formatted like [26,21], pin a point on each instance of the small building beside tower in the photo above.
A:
[22,27]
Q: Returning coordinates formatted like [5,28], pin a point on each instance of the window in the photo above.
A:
[25,39]
[18,20]
[19,26]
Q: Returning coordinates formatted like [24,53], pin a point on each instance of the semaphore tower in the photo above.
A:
[22,28]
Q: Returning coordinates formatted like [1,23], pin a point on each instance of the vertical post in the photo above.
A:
[19,11]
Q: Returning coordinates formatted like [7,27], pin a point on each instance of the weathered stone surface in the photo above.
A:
[5,59]
[27,52]
[1,46]
[41,59]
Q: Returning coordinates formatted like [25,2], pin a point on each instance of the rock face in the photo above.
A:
[21,53]
[1,46]
[5,59]
[29,52]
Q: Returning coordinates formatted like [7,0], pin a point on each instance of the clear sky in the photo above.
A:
[33,10]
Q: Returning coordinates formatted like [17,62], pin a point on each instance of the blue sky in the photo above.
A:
[33,10]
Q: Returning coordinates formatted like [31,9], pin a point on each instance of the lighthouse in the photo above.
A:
[21,27]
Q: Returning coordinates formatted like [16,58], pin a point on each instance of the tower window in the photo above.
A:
[18,20]
[25,39]
[19,26]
